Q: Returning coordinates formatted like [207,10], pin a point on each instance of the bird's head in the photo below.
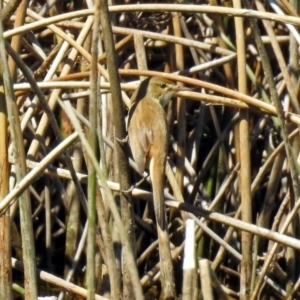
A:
[161,89]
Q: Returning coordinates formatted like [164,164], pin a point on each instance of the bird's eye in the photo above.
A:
[163,86]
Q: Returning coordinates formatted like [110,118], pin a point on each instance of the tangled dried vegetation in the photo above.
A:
[233,153]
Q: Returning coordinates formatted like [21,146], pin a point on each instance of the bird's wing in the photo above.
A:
[140,142]
[140,138]
[146,137]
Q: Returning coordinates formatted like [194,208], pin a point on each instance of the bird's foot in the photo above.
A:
[128,192]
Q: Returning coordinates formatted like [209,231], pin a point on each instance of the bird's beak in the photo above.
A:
[180,88]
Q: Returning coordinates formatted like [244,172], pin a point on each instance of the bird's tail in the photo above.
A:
[157,172]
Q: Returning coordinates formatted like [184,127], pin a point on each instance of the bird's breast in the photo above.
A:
[148,132]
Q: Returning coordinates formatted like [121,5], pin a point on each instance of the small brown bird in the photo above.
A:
[148,138]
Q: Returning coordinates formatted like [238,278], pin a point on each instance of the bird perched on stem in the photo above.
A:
[148,138]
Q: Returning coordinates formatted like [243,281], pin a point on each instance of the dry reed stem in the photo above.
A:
[207,147]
